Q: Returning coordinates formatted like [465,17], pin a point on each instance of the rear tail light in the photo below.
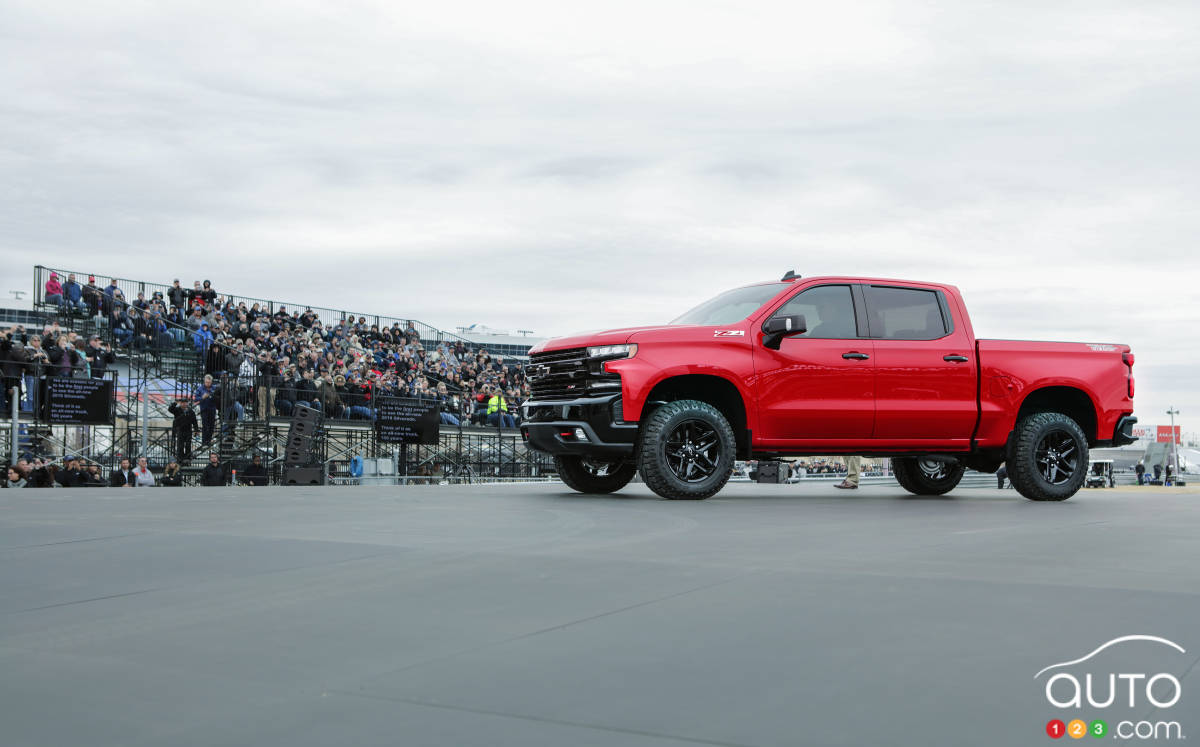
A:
[1131,387]
[1127,358]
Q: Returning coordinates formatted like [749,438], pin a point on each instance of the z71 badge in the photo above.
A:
[729,333]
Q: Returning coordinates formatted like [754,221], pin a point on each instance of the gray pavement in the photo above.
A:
[529,615]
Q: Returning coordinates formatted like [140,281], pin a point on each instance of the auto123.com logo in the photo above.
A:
[1121,701]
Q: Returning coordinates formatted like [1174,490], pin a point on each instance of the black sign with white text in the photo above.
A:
[79,401]
[406,421]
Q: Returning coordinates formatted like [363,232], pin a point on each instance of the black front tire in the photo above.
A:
[687,450]
[588,475]
[1049,457]
[926,477]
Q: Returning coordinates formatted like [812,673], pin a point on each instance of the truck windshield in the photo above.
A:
[731,306]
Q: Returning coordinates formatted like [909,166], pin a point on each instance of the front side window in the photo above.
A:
[731,306]
[828,312]
[904,313]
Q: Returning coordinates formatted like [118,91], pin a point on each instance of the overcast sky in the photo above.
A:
[560,166]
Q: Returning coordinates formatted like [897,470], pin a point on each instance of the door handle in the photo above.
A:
[956,358]
[855,356]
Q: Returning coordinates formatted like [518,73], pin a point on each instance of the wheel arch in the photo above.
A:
[717,391]
[1072,401]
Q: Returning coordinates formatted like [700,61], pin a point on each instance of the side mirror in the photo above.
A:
[778,327]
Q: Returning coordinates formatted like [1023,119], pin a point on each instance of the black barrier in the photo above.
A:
[75,401]
[406,421]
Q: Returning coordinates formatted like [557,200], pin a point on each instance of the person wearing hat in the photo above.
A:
[71,475]
[54,291]
[99,356]
[177,294]
[183,427]
[92,297]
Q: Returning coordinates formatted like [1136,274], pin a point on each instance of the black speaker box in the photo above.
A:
[304,476]
[293,457]
[302,428]
[773,472]
[306,414]
[299,441]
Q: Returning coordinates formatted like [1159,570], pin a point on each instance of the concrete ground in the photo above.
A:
[529,615]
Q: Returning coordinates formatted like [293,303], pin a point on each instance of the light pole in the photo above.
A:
[1174,442]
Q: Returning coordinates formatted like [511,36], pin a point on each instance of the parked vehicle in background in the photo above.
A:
[829,365]
[1100,474]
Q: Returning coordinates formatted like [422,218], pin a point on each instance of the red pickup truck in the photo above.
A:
[821,366]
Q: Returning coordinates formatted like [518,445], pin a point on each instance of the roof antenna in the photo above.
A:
[791,275]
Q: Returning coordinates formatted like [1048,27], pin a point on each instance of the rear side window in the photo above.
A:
[904,313]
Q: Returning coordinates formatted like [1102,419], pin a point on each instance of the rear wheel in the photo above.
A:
[1049,457]
[926,476]
[588,475]
[687,450]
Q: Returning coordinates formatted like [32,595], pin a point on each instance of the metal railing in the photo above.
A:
[130,289]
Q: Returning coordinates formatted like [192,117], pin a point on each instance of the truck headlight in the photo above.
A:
[612,351]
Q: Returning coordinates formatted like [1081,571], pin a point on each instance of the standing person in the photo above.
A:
[1001,476]
[99,357]
[145,478]
[177,294]
[183,427]
[853,469]
[214,475]
[35,370]
[14,362]
[123,477]
[206,395]
[1140,469]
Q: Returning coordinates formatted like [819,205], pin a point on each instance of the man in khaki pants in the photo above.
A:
[853,467]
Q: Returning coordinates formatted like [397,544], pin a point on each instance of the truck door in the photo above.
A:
[925,368]
[819,385]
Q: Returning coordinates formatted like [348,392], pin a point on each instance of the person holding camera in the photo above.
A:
[183,427]
[99,356]
[13,364]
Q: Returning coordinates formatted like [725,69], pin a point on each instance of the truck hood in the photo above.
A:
[602,337]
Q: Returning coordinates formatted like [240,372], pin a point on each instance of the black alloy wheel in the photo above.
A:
[1057,457]
[692,451]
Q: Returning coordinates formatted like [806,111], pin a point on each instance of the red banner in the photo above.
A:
[1164,434]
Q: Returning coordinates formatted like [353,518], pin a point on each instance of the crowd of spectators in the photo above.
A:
[76,472]
[271,361]
[29,357]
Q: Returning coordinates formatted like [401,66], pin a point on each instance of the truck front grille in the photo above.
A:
[560,374]
[568,374]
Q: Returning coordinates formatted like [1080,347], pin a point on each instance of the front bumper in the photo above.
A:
[587,426]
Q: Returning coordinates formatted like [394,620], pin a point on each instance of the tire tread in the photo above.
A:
[654,473]
[1022,470]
